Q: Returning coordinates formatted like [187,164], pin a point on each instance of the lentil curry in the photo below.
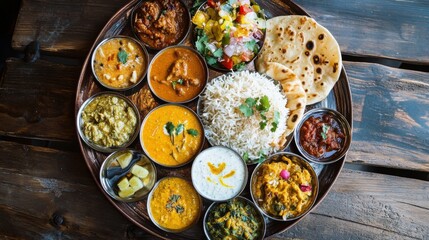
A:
[174,204]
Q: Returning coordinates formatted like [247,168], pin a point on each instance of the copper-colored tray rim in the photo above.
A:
[341,91]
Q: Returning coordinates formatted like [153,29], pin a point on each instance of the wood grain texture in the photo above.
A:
[368,206]
[62,27]
[391,116]
[385,28]
[37,100]
[50,194]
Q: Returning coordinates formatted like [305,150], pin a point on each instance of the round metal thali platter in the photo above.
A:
[338,99]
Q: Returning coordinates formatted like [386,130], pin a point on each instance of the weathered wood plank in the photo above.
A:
[390,29]
[391,116]
[384,28]
[46,193]
[37,100]
[368,206]
[62,27]
[50,194]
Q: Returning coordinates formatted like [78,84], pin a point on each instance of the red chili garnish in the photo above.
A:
[305,188]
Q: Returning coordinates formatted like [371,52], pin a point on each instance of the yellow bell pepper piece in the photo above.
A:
[200,18]
[256,8]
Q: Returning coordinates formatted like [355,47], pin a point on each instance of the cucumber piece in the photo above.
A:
[139,171]
[124,159]
[136,183]
[127,192]
[123,184]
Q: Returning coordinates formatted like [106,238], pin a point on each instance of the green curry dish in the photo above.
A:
[235,219]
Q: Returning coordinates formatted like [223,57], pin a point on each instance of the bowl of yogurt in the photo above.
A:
[219,173]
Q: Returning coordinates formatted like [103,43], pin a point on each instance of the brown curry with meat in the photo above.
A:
[177,74]
[161,23]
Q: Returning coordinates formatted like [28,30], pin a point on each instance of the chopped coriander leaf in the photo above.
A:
[192,132]
[179,209]
[264,104]
[275,122]
[180,128]
[251,102]
[218,53]
[240,66]
[252,46]
[324,132]
[122,56]
[262,124]
[170,128]
[246,156]
[211,60]
[246,110]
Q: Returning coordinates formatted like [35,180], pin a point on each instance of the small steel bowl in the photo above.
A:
[242,199]
[111,173]
[93,145]
[150,48]
[150,199]
[220,67]
[277,157]
[342,123]
[145,57]
[143,144]
[203,62]
[212,153]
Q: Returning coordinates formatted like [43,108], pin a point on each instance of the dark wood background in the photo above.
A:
[47,192]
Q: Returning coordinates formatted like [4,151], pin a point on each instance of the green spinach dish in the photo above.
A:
[235,219]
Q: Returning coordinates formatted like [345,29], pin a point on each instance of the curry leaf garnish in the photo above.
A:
[171,201]
[122,56]
[192,132]
[324,132]
[179,128]
[179,209]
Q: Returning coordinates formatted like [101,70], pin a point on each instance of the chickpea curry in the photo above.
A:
[161,23]
[177,74]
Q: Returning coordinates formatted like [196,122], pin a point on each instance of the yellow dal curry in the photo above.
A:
[174,204]
[283,197]
[172,135]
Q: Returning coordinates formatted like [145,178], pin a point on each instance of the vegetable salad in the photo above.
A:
[229,33]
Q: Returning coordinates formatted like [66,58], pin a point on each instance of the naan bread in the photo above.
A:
[292,87]
[306,48]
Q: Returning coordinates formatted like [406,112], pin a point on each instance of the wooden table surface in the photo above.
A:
[47,191]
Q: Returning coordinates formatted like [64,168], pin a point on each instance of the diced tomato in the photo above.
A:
[211,3]
[244,9]
[246,56]
[227,62]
